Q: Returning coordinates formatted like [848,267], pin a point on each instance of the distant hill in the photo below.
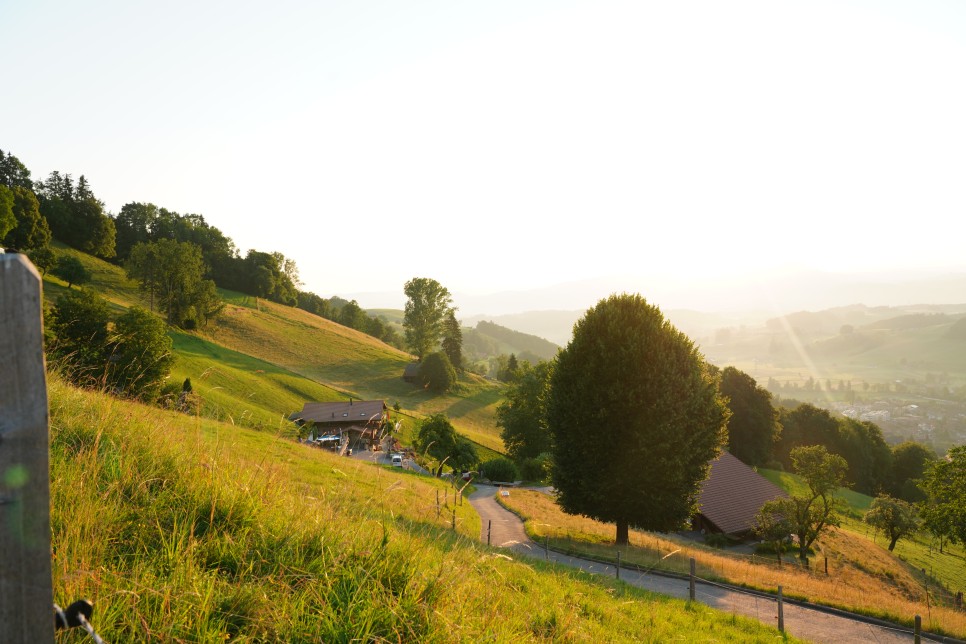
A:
[489,339]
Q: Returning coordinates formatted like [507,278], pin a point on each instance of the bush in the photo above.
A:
[500,469]
[536,469]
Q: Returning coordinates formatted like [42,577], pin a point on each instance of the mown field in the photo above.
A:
[183,528]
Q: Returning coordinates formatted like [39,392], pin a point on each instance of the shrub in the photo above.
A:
[500,469]
[535,469]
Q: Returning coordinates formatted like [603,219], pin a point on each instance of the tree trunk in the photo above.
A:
[622,539]
[892,544]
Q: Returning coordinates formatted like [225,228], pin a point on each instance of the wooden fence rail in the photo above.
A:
[26,589]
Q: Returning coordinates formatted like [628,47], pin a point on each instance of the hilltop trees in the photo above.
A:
[453,339]
[427,305]
[632,406]
[171,272]
[75,215]
[753,428]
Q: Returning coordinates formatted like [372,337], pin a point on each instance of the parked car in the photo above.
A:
[397,460]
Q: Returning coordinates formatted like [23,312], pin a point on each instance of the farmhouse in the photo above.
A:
[357,423]
[731,497]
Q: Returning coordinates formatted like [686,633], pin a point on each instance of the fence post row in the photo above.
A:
[26,586]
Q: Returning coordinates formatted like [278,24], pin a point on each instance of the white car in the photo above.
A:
[397,460]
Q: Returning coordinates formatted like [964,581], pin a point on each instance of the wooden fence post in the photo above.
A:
[691,580]
[26,585]
[781,612]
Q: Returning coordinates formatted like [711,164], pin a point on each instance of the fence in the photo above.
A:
[25,570]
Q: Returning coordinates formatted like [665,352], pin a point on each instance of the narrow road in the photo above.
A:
[805,623]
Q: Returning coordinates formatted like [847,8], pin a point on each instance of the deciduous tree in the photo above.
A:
[522,416]
[636,418]
[427,304]
[437,373]
[753,428]
[944,511]
[72,270]
[811,513]
[895,518]
[437,437]
[140,355]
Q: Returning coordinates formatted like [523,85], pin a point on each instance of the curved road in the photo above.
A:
[805,623]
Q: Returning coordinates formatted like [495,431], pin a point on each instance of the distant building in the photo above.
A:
[731,497]
[411,374]
[357,422]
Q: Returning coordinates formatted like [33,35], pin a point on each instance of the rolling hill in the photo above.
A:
[260,361]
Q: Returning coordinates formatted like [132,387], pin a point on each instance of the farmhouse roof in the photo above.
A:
[733,493]
[412,371]
[343,412]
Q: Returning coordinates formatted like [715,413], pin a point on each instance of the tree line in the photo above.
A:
[177,259]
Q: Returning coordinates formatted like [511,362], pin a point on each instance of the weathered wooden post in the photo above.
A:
[26,586]
[781,612]
[917,634]
[691,580]
[618,564]
[489,530]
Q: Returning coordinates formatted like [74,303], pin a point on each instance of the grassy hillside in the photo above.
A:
[260,361]
[182,528]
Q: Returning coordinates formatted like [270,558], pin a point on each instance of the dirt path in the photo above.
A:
[805,623]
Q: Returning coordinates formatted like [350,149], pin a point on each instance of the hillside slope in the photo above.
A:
[260,361]
[180,528]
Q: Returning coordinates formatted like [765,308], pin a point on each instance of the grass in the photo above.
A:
[863,577]
[185,529]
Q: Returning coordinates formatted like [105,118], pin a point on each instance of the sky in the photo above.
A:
[513,145]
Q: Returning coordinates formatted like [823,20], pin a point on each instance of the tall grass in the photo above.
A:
[862,577]
[186,529]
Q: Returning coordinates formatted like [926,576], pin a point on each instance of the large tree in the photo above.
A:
[7,221]
[753,427]
[522,416]
[453,339]
[636,418]
[13,172]
[426,308]
[31,231]
[910,460]
[436,373]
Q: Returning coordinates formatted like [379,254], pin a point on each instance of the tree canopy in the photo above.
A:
[436,437]
[944,511]
[753,428]
[893,517]
[436,373]
[811,513]
[426,308]
[636,418]
[522,416]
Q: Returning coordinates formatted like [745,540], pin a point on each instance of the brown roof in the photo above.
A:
[733,493]
[356,412]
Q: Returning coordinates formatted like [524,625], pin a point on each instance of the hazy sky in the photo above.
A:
[505,145]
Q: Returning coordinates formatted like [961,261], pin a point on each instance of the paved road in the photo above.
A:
[805,623]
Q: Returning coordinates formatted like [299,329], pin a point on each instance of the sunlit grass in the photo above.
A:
[185,529]
[863,576]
